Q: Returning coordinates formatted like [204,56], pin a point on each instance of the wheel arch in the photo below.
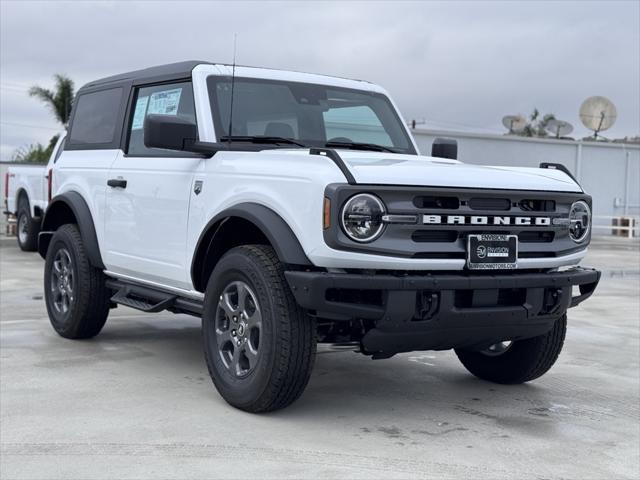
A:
[21,193]
[257,224]
[70,207]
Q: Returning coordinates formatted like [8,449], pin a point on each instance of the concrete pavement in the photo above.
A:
[137,401]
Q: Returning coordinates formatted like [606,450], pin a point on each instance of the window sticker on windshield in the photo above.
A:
[165,102]
[138,116]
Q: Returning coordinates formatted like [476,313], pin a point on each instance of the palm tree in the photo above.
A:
[59,100]
[536,126]
[36,152]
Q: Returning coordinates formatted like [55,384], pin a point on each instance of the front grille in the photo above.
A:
[432,236]
[437,235]
[437,202]
[537,205]
[489,203]
[536,237]
[448,236]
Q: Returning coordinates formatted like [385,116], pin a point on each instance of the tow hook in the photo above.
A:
[552,299]
[427,305]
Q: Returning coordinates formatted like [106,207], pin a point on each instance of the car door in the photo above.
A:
[148,195]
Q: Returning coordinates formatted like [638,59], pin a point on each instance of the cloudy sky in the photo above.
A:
[457,66]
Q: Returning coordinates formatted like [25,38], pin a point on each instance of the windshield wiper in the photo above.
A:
[361,146]
[261,139]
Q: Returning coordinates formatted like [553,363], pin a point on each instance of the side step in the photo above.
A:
[151,300]
[126,298]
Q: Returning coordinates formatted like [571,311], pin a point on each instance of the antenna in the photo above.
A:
[233,82]
[598,114]
[515,123]
[559,128]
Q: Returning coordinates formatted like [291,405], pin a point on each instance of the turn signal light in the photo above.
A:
[326,216]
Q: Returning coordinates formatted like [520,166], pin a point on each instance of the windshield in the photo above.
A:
[310,115]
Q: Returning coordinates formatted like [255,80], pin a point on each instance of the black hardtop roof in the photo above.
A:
[159,73]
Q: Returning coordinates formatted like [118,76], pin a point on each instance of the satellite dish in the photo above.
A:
[514,123]
[559,128]
[598,114]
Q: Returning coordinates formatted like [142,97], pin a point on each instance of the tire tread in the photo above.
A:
[92,302]
[31,244]
[295,357]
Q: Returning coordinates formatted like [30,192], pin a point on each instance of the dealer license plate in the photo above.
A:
[492,252]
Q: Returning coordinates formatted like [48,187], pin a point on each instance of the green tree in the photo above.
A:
[536,126]
[59,99]
[36,152]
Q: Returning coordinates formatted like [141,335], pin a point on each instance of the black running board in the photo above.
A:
[133,300]
[151,300]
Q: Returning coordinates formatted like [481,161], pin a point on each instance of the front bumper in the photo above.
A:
[443,311]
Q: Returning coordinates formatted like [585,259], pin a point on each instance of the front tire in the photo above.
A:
[259,344]
[27,228]
[76,297]
[520,361]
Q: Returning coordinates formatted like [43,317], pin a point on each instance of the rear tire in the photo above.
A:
[27,228]
[522,361]
[259,344]
[75,294]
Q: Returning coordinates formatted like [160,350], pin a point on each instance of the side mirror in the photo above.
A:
[172,132]
[445,148]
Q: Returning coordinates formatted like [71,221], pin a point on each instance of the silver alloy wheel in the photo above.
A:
[497,349]
[62,281]
[23,228]
[238,327]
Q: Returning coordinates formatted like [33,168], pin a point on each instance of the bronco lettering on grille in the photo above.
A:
[484,220]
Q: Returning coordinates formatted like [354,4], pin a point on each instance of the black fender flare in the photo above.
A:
[57,215]
[275,229]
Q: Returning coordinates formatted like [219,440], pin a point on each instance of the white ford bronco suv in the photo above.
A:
[287,209]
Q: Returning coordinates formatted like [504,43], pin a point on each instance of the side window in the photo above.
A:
[168,99]
[95,119]
[357,124]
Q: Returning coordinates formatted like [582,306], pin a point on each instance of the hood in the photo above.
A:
[394,169]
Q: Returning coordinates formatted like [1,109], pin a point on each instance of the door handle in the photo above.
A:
[117,183]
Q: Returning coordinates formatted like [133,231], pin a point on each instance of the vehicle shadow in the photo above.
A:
[348,384]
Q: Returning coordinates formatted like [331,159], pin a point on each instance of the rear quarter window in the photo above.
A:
[96,118]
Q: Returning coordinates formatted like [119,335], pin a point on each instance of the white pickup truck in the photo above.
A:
[287,209]
[26,195]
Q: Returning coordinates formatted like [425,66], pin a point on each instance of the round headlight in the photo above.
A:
[361,217]
[579,221]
